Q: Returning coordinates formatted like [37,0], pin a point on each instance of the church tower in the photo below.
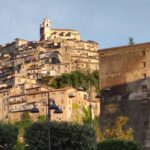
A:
[45,28]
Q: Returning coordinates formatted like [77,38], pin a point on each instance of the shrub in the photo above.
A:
[8,136]
[19,146]
[77,79]
[118,130]
[118,145]
[64,136]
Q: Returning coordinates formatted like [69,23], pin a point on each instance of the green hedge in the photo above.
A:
[64,136]
[8,136]
[118,145]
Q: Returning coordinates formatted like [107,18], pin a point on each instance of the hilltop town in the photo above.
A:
[124,79]
[24,63]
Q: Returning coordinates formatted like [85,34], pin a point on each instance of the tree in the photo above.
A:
[77,79]
[26,116]
[8,136]
[77,116]
[116,130]
[42,118]
[21,125]
[86,115]
[131,41]
[64,136]
[95,122]
[19,146]
[96,126]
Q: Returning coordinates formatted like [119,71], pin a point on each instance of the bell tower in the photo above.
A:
[45,28]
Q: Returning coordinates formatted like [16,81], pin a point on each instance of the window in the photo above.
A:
[144,87]
[146,124]
[143,53]
[53,60]
[62,101]
[61,34]
[143,64]
[85,96]
[143,76]
[68,34]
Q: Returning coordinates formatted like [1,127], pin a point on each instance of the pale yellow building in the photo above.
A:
[47,33]
[65,99]
[4,105]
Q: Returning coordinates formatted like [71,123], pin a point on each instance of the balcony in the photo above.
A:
[17,102]
[22,108]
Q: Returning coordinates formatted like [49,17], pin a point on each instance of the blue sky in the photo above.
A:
[108,22]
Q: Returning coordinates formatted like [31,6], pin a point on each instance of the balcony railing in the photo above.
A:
[22,108]
[17,102]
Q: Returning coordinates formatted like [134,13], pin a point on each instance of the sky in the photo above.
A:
[108,22]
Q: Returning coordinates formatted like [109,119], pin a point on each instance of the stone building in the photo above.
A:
[65,98]
[4,106]
[125,87]
[58,51]
[47,33]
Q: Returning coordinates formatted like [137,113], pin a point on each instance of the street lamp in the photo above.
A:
[34,110]
[98,96]
[50,106]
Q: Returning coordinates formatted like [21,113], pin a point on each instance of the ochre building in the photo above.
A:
[125,87]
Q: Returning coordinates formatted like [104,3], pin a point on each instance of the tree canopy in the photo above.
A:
[64,136]
[77,79]
[8,136]
[116,130]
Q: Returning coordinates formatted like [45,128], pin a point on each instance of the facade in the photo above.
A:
[65,98]
[125,69]
[125,87]
[4,107]
[47,33]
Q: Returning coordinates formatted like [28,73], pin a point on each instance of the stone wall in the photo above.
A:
[125,88]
